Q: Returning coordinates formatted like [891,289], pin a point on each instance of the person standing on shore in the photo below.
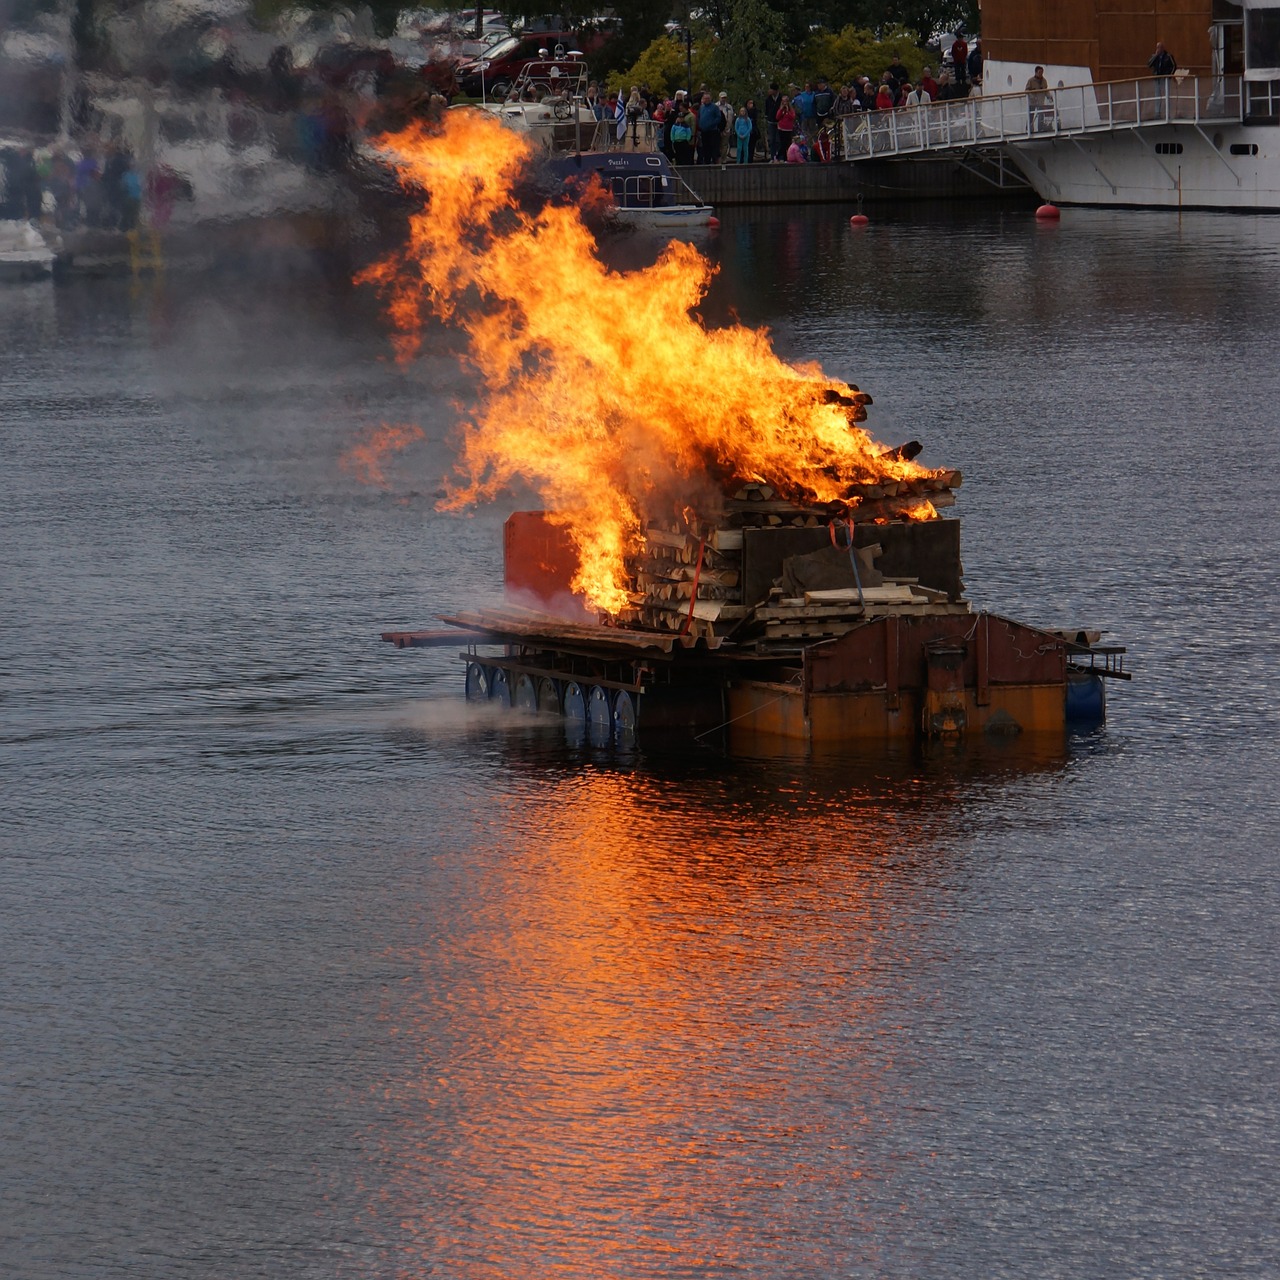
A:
[771,101]
[682,126]
[742,132]
[710,126]
[786,127]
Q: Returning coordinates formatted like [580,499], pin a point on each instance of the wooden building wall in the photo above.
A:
[1114,38]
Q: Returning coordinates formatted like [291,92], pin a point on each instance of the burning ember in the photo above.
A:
[601,388]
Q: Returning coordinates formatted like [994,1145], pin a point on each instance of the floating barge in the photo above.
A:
[822,625]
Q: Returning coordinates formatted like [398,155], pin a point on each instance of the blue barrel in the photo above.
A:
[500,687]
[599,716]
[1086,699]
[575,713]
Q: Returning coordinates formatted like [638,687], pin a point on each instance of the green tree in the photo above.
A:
[642,23]
[927,18]
[749,52]
[663,66]
[858,51]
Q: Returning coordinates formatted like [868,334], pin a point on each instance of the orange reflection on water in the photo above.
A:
[664,1033]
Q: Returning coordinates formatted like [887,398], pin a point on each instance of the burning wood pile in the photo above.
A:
[611,418]
[689,576]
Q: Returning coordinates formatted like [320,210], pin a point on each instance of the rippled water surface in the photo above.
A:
[310,971]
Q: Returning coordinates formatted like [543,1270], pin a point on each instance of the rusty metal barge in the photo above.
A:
[823,625]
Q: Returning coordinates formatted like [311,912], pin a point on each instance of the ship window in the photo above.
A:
[1261,42]
[1168,148]
[1244,148]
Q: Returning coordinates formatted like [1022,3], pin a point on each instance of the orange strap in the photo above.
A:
[697,573]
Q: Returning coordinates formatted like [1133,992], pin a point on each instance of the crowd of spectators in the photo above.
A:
[89,186]
[795,125]
[94,181]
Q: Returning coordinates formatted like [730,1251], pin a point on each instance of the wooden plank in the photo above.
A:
[783,631]
[727,612]
[889,508]
[665,538]
[509,625]
[770,614]
[429,639]
[773,506]
[869,595]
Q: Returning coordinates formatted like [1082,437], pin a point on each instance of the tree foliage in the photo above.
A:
[745,44]
[664,65]
[856,51]
[927,18]
[747,55]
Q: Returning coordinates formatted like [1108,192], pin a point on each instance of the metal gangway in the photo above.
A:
[990,120]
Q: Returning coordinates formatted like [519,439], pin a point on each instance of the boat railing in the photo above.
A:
[636,191]
[550,78]
[985,120]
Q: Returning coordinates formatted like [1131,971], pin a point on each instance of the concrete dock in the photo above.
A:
[844,182]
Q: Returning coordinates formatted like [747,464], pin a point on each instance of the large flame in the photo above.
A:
[600,387]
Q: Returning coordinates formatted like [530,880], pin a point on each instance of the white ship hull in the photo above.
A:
[1232,167]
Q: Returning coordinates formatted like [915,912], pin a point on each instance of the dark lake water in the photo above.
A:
[310,971]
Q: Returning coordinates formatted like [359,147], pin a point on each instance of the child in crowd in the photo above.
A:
[742,131]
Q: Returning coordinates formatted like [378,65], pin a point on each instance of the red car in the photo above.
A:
[497,70]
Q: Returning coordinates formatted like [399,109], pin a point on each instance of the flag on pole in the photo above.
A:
[620,116]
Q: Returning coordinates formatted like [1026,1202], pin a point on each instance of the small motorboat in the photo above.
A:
[24,252]
[647,192]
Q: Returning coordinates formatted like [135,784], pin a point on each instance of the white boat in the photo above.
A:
[1206,137]
[24,252]
[1190,142]
[548,102]
[646,191]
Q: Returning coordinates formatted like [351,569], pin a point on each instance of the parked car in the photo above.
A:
[493,75]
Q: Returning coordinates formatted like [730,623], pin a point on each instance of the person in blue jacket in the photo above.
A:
[710,127]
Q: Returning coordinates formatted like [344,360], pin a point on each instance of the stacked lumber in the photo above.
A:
[684,582]
[823,615]
[686,577]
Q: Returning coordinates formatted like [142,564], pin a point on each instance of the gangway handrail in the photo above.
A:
[986,120]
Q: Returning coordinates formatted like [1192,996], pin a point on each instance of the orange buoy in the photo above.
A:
[1048,212]
[714,223]
[859,220]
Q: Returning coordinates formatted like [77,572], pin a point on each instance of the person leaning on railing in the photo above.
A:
[1037,101]
[846,105]
[1162,62]
[1162,65]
